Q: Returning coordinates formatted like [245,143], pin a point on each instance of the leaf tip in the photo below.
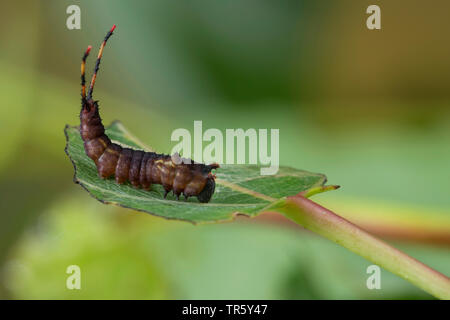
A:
[310,192]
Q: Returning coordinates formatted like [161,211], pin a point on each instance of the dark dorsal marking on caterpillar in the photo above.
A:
[141,169]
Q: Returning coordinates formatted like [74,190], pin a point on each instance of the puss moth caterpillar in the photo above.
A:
[141,169]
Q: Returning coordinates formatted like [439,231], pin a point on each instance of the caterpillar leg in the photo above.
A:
[177,194]
[177,191]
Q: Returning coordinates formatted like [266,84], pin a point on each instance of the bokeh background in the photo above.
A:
[371,109]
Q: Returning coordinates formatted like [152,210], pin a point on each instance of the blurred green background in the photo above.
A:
[368,108]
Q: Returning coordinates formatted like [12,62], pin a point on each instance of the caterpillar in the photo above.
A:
[141,169]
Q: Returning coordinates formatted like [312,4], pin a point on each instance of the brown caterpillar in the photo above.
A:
[141,168]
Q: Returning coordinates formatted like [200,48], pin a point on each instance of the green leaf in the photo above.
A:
[240,189]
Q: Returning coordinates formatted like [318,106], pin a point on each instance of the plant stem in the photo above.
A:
[320,220]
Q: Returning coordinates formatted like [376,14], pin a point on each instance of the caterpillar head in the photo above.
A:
[207,192]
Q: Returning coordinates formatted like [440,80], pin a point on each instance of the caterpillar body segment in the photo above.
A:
[141,169]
